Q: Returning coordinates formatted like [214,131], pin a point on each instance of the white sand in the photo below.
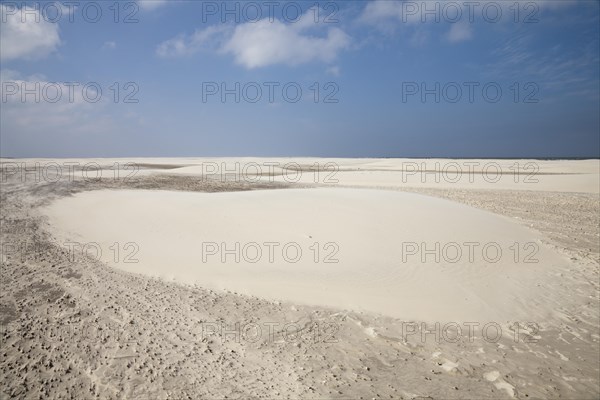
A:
[369,226]
[77,328]
[580,176]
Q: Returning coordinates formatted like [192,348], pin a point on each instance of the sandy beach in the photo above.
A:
[300,278]
[337,200]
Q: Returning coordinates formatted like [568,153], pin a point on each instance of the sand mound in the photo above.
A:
[399,254]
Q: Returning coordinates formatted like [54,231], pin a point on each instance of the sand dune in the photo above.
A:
[371,248]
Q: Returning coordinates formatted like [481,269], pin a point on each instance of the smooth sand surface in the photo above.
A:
[368,229]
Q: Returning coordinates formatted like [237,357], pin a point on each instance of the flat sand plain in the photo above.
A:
[121,278]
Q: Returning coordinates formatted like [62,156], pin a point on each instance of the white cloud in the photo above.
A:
[36,92]
[334,70]
[185,45]
[265,43]
[459,32]
[175,47]
[377,10]
[110,45]
[26,36]
[151,4]
[262,43]
[389,15]
[57,112]
[408,12]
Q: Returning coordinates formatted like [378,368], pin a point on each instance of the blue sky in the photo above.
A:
[371,61]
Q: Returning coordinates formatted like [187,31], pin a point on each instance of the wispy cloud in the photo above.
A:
[26,38]
[556,69]
[459,32]
[211,37]
[55,115]
[151,4]
[389,16]
[110,45]
[334,70]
